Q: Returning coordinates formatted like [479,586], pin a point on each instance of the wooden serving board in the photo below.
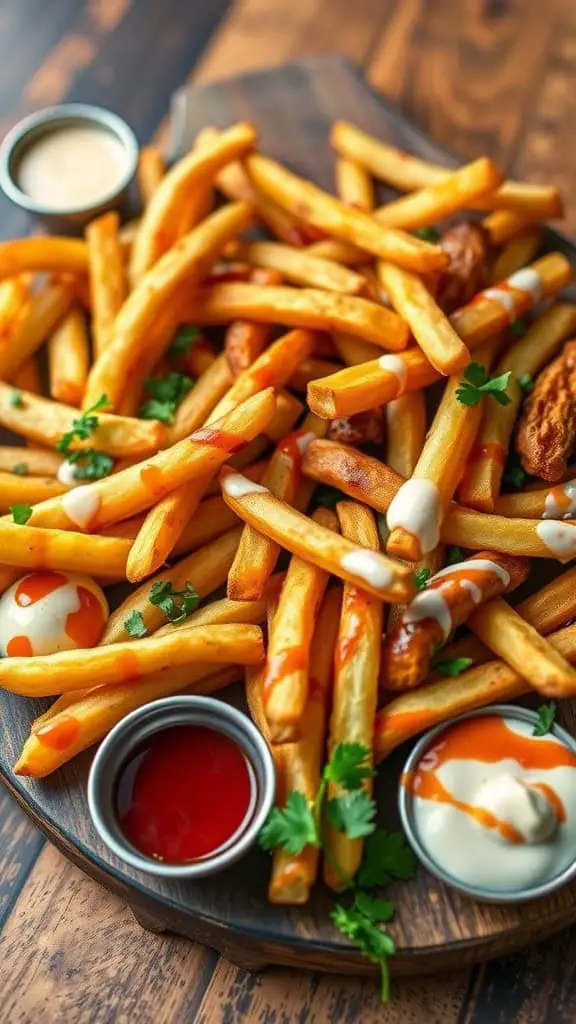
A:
[293,107]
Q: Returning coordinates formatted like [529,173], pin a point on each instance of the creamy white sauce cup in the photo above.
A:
[409,817]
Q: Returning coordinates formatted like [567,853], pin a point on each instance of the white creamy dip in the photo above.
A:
[72,167]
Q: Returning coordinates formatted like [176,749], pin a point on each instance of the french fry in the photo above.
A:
[44,253]
[138,487]
[405,432]
[440,343]
[151,171]
[522,647]
[420,709]
[244,340]
[457,191]
[108,283]
[36,461]
[157,342]
[197,405]
[298,307]
[339,252]
[353,185]
[353,351]
[68,358]
[408,173]
[356,474]
[285,678]
[297,266]
[205,570]
[504,225]
[303,199]
[30,548]
[311,542]
[27,377]
[449,599]
[357,665]
[13,294]
[545,503]
[118,663]
[42,312]
[311,369]
[188,259]
[480,486]
[358,388]
[16,489]
[517,253]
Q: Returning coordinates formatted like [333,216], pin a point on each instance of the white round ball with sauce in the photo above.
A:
[46,611]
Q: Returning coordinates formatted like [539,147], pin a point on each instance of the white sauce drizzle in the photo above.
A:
[473,590]
[430,604]
[66,473]
[417,509]
[551,508]
[527,280]
[504,299]
[369,567]
[475,565]
[559,538]
[238,486]
[81,504]
[303,442]
[397,366]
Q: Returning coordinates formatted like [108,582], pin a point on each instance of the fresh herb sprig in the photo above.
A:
[476,385]
[546,717]
[422,577]
[166,394]
[88,463]
[177,605]
[185,337]
[451,666]
[21,513]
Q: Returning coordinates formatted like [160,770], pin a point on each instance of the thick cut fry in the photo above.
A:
[520,645]
[122,663]
[23,489]
[190,176]
[27,377]
[353,351]
[353,185]
[457,191]
[285,678]
[45,422]
[205,570]
[135,489]
[309,370]
[503,225]
[47,253]
[297,533]
[151,171]
[298,307]
[244,340]
[30,548]
[405,432]
[197,405]
[517,253]
[493,683]
[161,333]
[36,461]
[359,388]
[108,283]
[339,252]
[449,599]
[303,199]
[298,267]
[481,482]
[43,311]
[357,664]
[189,260]
[556,502]
[407,173]
[68,358]
[440,343]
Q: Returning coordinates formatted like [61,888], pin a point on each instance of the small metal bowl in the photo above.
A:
[164,714]
[406,808]
[30,129]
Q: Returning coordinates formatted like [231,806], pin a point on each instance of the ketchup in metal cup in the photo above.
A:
[185,793]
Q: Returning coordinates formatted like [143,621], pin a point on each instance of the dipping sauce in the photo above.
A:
[45,612]
[187,792]
[495,806]
[72,167]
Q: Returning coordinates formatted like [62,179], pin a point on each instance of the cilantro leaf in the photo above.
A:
[83,427]
[455,555]
[526,382]
[90,464]
[135,625]
[16,399]
[421,577]
[352,813]
[452,666]
[386,856]
[427,234]
[374,908]
[374,943]
[291,827]
[166,395]
[176,605]
[21,513]
[185,337]
[476,385]
[348,766]
[546,716]
[20,469]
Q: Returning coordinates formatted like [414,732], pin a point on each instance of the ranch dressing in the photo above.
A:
[494,805]
[72,167]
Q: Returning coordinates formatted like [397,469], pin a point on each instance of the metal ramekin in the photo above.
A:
[405,803]
[27,131]
[142,723]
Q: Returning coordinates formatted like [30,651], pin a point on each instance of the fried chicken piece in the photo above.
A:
[470,250]
[547,429]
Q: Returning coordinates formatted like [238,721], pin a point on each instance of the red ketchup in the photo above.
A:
[185,793]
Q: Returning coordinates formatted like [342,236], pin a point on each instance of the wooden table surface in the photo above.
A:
[482,76]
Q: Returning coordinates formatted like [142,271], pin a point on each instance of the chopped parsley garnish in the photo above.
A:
[89,464]
[546,717]
[185,337]
[16,399]
[455,555]
[135,625]
[451,666]
[20,469]
[177,605]
[427,234]
[21,513]
[476,385]
[421,577]
[526,382]
[166,395]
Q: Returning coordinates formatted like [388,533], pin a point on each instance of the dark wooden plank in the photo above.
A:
[20,844]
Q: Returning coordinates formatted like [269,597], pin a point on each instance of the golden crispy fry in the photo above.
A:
[517,253]
[309,370]
[30,548]
[64,255]
[36,461]
[555,502]
[16,489]
[339,252]
[520,645]
[405,432]
[68,358]
[407,173]
[298,307]
[108,283]
[356,474]
[353,185]
[161,333]
[205,570]
[440,343]
[353,351]
[243,343]
[151,171]
[288,410]
[285,678]
[189,260]
[188,177]
[297,533]
[197,405]
[303,199]
[456,191]
[96,505]
[297,266]
[39,316]
[503,225]
[481,483]
[357,665]
[27,377]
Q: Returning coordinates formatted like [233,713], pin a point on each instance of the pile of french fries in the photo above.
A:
[311,341]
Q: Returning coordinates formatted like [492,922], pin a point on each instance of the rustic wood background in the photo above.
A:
[493,76]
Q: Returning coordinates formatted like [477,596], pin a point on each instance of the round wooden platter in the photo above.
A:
[434,927]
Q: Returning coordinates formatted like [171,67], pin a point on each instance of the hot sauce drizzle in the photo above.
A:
[19,647]
[218,439]
[293,659]
[61,734]
[85,627]
[38,585]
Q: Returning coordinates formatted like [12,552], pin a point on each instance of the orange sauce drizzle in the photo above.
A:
[353,608]
[85,627]
[289,445]
[59,734]
[128,667]
[218,439]
[490,452]
[293,659]
[153,479]
[428,787]
[38,585]
[19,647]
[552,798]
[560,498]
